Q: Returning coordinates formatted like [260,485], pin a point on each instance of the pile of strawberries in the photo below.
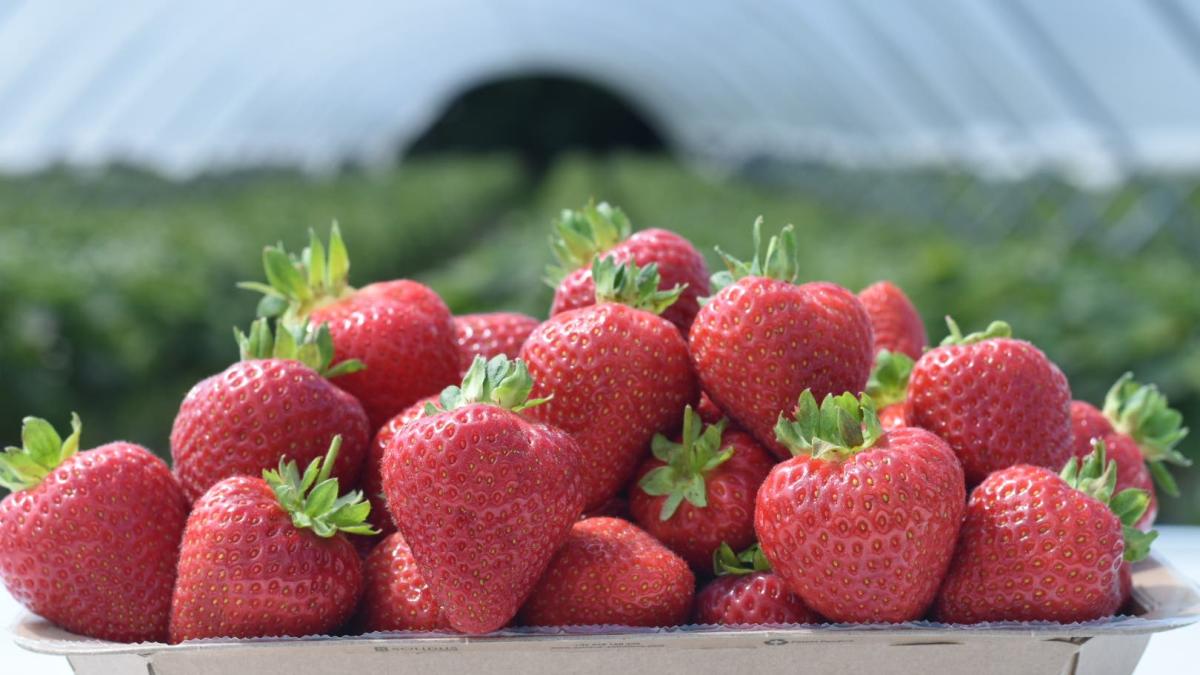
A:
[663,450]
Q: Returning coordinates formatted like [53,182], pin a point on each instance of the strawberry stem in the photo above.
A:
[313,348]
[41,451]
[296,285]
[579,236]
[312,499]
[781,260]
[726,562]
[996,329]
[889,378]
[498,381]
[841,427]
[632,285]
[1144,414]
[1096,477]
[688,464]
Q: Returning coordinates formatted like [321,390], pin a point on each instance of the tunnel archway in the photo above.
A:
[537,118]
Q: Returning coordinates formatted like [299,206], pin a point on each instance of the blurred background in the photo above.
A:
[1036,162]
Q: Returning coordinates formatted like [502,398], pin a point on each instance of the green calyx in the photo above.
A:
[312,499]
[688,464]
[840,428]
[726,562]
[780,260]
[1142,412]
[581,235]
[41,451]
[296,285]
[1096,477]
[888,383]
[497,381]
[995,329]
[631,285]
[313,348]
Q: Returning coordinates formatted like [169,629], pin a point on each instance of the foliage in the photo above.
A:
[117,289]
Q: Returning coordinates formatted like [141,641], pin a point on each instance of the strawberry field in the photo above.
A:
[117,287]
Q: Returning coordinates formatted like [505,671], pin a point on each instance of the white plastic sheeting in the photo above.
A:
[1004,85]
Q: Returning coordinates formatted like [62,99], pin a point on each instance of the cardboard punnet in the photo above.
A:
[1165,600]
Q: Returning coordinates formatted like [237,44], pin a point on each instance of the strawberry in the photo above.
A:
[278,400]
[372,481]
[616,374]
[1040,546]
[888,387]
[395,595]
[746,592]
[265,556]
[997,401]
[695,494]
[861,522]
[763,339]
[602,230]
[708,411]
[611,572]
[1141,431]
[897,325]
[401,330]
[482,495]
[487,335]
[88,540]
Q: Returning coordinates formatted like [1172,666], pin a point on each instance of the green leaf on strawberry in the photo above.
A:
[313,348]
[841,427]
[688,463]
[312,499]
[780,260]
[41,451]
[726,562]
[298,284]
[1096,476]
[1143,413]
[995,329]
[889,378]
[581,235]
[632,285]
[497,381]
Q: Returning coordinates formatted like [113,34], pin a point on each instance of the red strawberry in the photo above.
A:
[266,557]
[276,401]
[708,411]
[763,339]
[483,496]
[487,335]
[888,387]
[1037,546]
[616,374]
[610,572]
[997,401]
[88,540]
[861,522]
[401,330]
[372,481]
[746,592]
[894,319]
[602,230]
[1141,430]
[695,494]
[395,595]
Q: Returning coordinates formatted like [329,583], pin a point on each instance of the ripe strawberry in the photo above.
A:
[997,401]
[1037,546]
[372,476]
[695,494]
[1141,431]
[615,373]
[487,335]
[265,557]
[610,572]
[483,496]
[401,330]
[88,540]
[276,401]
[395,595]
[895,321]
[746,592]
[861,522]
[763,339]
[708,411]
[888,387]
[602,230]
